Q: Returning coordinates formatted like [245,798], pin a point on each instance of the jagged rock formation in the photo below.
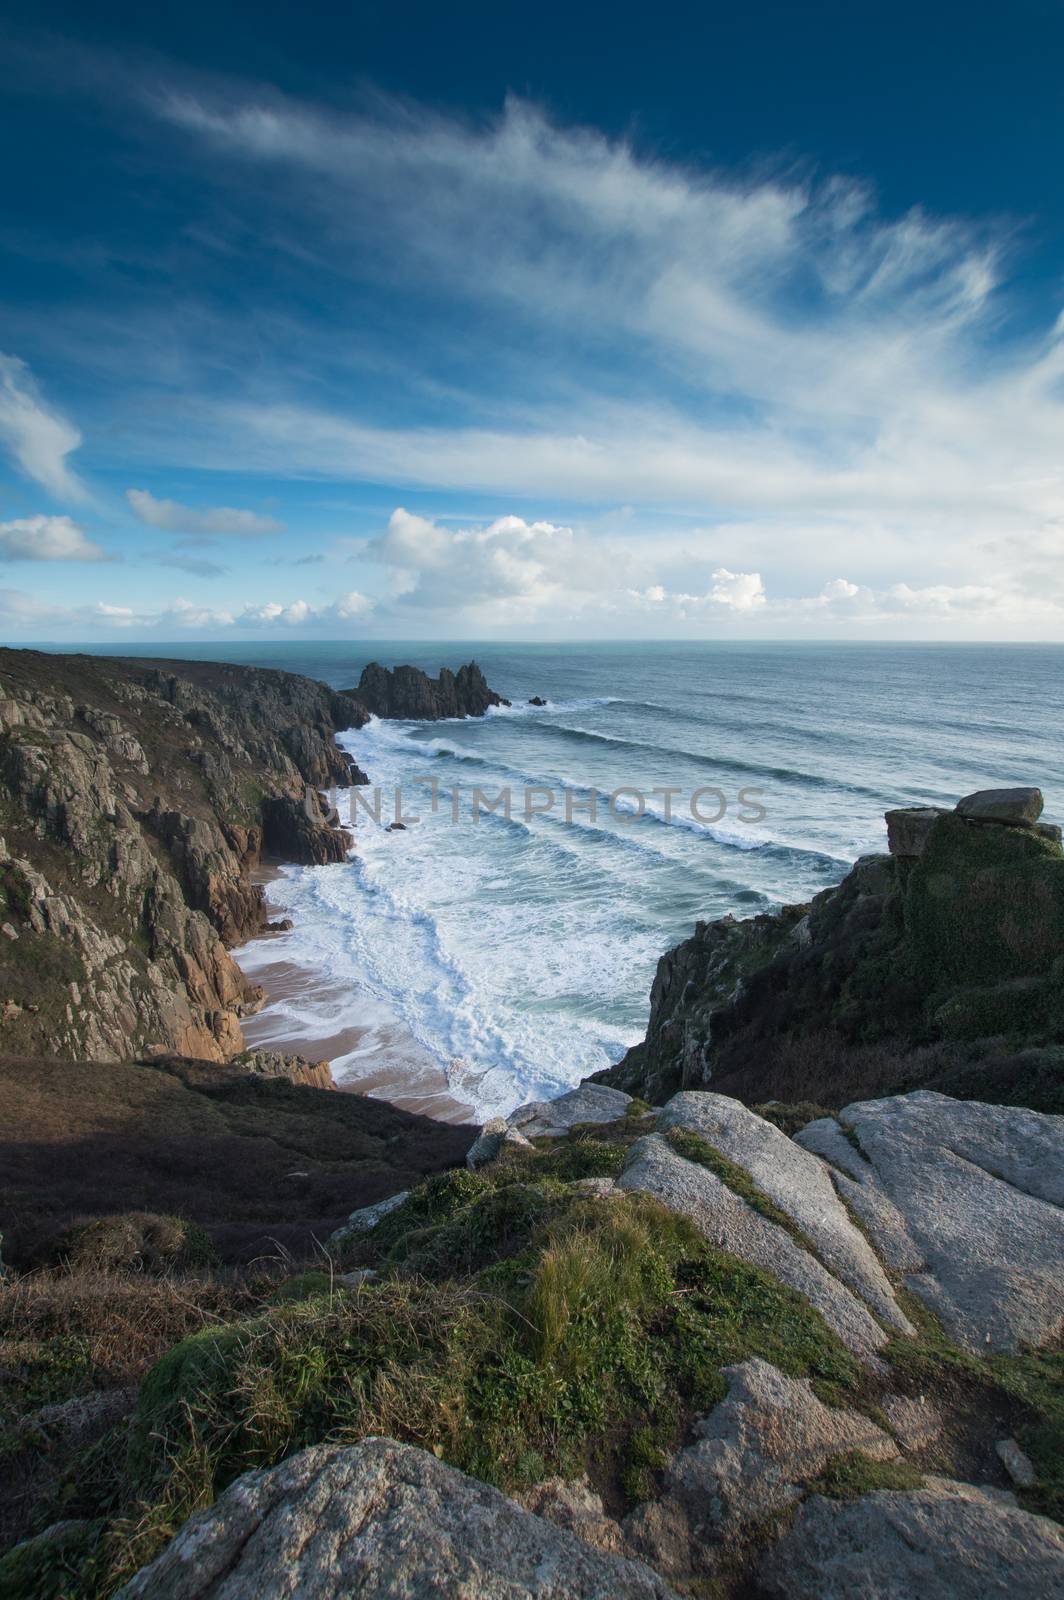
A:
[937,963]
[749,1462]
[386,1520]
[407,692]
[134,800]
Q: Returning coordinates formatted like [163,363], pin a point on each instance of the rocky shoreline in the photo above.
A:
[773,1310]
[136,801]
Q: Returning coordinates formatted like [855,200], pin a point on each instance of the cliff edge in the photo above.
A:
[937,964]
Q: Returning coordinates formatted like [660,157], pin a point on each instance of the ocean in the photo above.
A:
[519,949]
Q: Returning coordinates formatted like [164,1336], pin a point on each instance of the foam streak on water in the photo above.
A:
[519,951]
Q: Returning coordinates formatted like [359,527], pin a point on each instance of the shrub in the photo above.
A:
[135,1241]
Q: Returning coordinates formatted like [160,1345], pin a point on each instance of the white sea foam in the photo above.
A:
[518,952]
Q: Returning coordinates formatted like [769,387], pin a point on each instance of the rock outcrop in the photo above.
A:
[386,1520]
[729,1221]
[135,799]
[964,1201]
[407,692]
[946,1541]
[938,963]
[798,1184]
[748,1464]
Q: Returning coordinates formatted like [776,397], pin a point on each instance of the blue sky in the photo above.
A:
[488,321]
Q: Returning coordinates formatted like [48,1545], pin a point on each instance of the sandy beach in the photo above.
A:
[379,1057]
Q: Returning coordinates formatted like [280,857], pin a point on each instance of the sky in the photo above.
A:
[550,322]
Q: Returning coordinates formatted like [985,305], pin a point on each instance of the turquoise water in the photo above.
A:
[520,950]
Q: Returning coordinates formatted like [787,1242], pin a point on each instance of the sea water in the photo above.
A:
[519,949]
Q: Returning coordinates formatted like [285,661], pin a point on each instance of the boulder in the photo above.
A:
[572,1503]
[490,1142]
[913,1420]
[1015,806]
[947,1541]
[379,1520]
[367,1217]
[798,1183]
[1017,1463]
[750,1458]
[908,829]
[653,1167]
[965,1201]
[589,1102]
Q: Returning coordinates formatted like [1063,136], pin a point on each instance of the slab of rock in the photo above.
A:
[965,1200]
[367,1217]
[572,1503]
[1017,1464]
[947,1541]
[915,1423]
[798,1183]
[1016,806]
[908,829]
[653,1167]
[386,1522]
[493,1138]
[752,1454]
[588,1102]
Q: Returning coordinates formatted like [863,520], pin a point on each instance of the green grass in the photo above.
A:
[586,1348]
[846,1477]
[791,1118]
[1030,1384]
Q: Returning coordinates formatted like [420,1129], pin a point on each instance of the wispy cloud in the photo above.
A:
[38,438]
[44,538]
[203,522]
[852,418]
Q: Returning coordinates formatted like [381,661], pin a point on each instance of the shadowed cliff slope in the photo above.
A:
[941,963]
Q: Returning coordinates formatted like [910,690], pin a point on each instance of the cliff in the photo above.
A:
[408,692]
[135,800]
[938,963]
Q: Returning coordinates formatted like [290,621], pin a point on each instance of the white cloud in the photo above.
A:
[44,538]
[206,522]
[38,438]
[741,591]
[786,353]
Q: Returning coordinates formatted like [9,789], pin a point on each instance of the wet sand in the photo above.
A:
[380,1058]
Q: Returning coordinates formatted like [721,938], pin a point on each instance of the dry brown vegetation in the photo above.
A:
[260,1164]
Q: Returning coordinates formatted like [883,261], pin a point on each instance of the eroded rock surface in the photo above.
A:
[385,1520]
[965,1201]
[751,1456]
[947,1541]
[588,1102]
[798,1183]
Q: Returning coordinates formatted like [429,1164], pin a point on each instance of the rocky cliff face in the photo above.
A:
[135,798]
[408,692]
[939,963]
